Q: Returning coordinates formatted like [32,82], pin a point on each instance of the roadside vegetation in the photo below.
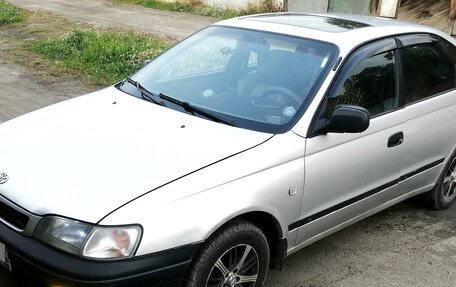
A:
[103,57]
[50,45]
[9,14]
[198,8]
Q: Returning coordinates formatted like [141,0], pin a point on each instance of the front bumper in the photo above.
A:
[46,266]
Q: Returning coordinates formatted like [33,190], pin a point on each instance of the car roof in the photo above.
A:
[346,31]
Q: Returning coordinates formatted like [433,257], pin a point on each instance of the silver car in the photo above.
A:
[239,146]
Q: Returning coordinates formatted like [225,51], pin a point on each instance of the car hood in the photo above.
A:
[85,157]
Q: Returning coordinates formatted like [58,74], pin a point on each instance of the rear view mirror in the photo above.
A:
[348,119]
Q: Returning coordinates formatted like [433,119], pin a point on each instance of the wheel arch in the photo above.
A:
[448,158]
[271,228]
[445,162]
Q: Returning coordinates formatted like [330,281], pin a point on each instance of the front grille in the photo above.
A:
[13,217]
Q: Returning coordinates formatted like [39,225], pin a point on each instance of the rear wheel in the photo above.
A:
[444,193]
[237,255]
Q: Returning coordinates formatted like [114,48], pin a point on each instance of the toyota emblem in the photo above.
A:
[3,178]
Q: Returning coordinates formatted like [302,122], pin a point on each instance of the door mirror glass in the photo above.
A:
[348,119]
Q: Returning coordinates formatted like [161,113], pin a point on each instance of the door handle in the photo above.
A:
[396,139]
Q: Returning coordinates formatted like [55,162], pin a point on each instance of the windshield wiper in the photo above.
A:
[149,96]
[195,110]
[145,94]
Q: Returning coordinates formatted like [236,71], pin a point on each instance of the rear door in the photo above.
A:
[428,81]
[350,174]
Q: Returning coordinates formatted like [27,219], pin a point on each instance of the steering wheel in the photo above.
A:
[281,95]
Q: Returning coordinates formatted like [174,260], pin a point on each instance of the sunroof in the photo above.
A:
[321,23]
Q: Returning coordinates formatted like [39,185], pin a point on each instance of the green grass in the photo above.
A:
[9,13]
[223,13]
[161,5]
[103,57]
[196,7]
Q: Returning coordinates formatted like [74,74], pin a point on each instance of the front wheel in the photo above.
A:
[444,193]
[237,255]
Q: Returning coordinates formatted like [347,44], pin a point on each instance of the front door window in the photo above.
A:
[371,84]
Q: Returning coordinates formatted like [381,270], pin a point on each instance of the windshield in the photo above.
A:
[256,80]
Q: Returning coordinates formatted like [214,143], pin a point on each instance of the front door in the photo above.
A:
[347,175]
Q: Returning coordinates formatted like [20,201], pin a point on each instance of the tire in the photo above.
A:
[236,255]
[444,192]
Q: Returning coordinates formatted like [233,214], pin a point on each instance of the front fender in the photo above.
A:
[191,209]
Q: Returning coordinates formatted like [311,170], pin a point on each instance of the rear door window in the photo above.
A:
[428,70]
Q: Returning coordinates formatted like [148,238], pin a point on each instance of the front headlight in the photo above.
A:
[112,242]
[65,234]
[87,240]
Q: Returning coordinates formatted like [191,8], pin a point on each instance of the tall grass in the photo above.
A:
[198,8]
[9,13]
[104,57]
[181,6]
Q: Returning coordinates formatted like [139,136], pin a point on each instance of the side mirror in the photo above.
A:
[147,62]
[348,119]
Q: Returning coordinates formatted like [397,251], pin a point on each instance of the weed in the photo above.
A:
[104,57]
[9,13]
[181,6]
[198,8]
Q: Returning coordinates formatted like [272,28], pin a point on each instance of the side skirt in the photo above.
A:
[358,218]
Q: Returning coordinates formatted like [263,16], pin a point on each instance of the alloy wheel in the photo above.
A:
[239,266]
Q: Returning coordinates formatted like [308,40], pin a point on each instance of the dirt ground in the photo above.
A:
[406,245]
[107,15]
[22,91]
